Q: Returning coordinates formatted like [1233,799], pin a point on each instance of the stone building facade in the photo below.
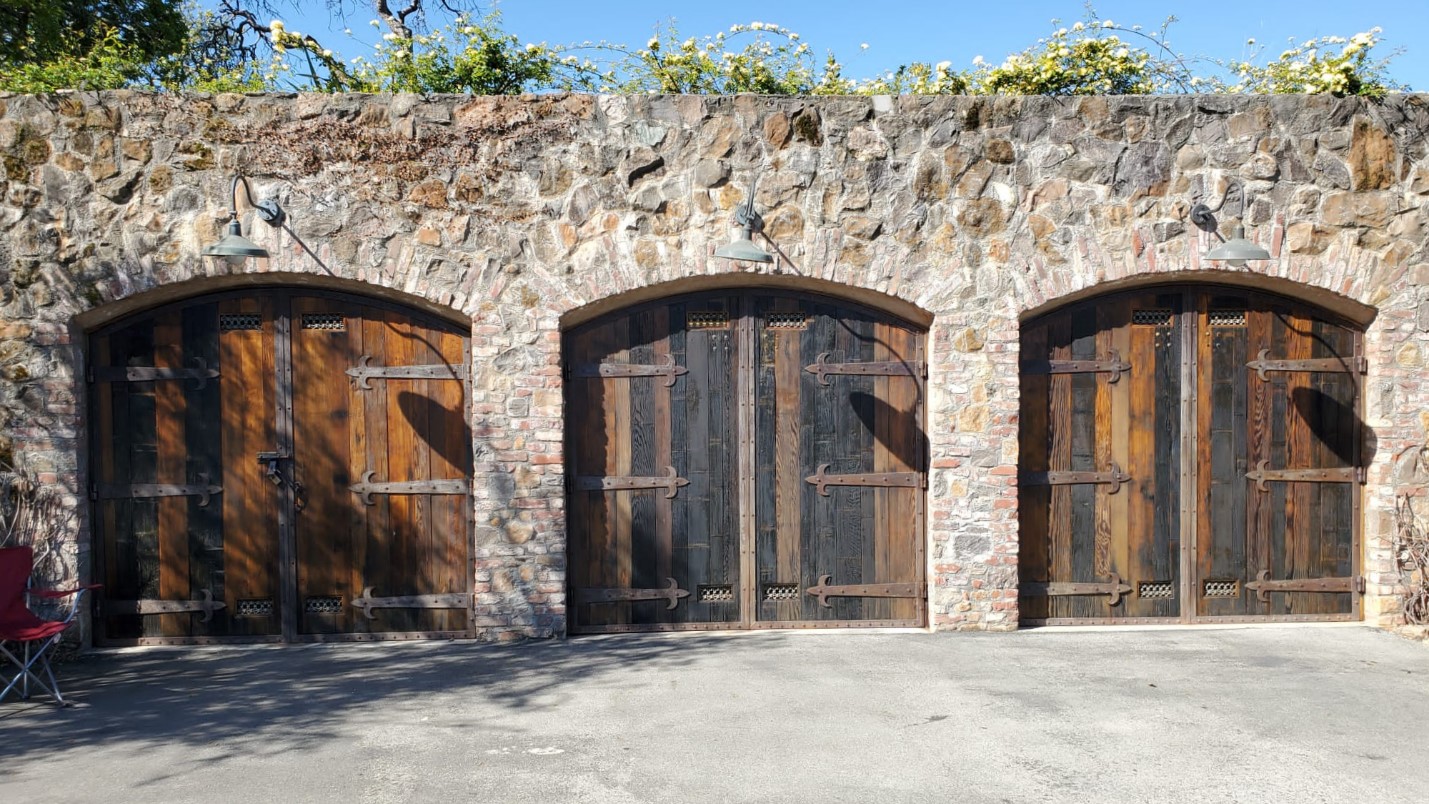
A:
[527,216]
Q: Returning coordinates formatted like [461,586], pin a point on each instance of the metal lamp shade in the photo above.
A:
[1238,249]
[234,244]
[744,249]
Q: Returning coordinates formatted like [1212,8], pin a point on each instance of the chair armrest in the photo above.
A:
[58,593]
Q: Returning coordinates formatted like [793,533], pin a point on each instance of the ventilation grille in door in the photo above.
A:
[322,605]
[716,594]
[255,607]
[239,321]
[786,321]
[1156,590]
[1222,589]
[1151,318]
[707,319]
[328,321]
[1227,318]
[778,592]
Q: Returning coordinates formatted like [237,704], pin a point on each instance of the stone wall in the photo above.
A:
[521,212]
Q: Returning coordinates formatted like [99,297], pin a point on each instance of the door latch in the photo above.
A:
[270,460]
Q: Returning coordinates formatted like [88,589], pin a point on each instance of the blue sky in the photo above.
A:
[901,31]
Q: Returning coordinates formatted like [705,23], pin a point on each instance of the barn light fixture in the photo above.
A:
[234,244]
[743,247]
[1238,249]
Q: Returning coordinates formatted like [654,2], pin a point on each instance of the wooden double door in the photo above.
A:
[745,460]
[280,465]
[1190,454]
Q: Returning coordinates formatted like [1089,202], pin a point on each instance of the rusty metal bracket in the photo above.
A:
[1115,366]
[454,600]
[1334,365]
[671,594]
[911,480]
[367,488]
[1114,588]
[822,368]
[1263,585]
[666,369]
[1114,478]
[200,375]
[435,371]
[670,483]
[823,590]
[145,607]
[136,491]
[1348,474]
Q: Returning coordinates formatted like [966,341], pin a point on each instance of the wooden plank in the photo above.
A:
[1165,544]
[616,570]
[1280,565]
[1144,355]
[1033,501]
[700,518]
[1113,419]
[202,411]
[171,458]
[818,553]
[1102,447]
[1258,448]
[680,510]
[374,528]
[359,461]
[788,479]
[1059,458]
[723,443]
[664,519]
[642,393]
[1083,438]
[907,454]
[1303,503]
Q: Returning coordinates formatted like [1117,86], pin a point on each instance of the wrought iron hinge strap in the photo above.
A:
[823,480]
[1348,474]
[824,590]
[1263,585]
[1115,366]
[671,595]
[1114,589]
[671,482]
[666,369]
[200,374]
[435,371]
[885,368]
[453,600]
[145,607]
[367,487]
[1113,478]
[1331,365]
[141,491]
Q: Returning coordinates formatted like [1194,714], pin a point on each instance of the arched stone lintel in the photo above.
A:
[1354,312]
[200,286]
[882,302]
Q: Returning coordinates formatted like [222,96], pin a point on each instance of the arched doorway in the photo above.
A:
[1190,454]
[745,459]
[280,464]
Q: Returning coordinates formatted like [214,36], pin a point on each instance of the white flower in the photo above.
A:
[653,43]
[327,54]
[863,46]
[276,25]
[347,31]
[389,36]
[943,66]
[756,26]
[1077,27]
[1108,24]
[978,61]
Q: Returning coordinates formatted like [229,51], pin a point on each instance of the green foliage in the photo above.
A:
[133,42]
[470,57]
[1313,67]
[110,63]
[42,31]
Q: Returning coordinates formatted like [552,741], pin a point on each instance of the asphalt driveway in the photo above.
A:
[1292,714]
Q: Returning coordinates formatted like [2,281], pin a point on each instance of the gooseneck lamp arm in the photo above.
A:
[749,222]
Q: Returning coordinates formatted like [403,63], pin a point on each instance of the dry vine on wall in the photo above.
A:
[1411,553]
[33,513]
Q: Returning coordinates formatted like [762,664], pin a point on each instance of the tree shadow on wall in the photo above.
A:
[444,429]
[1335,426]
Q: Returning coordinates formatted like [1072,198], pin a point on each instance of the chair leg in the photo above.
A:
[32,657]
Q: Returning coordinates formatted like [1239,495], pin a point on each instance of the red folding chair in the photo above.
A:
[24,633]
